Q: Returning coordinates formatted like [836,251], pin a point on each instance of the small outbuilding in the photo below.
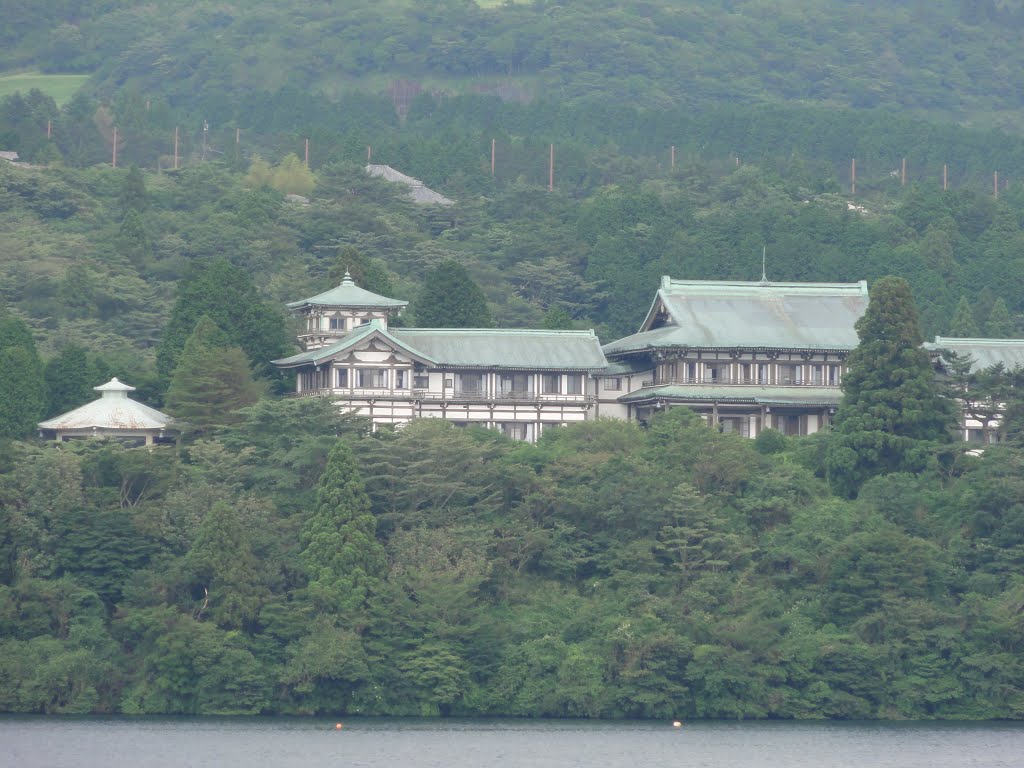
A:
[114,416]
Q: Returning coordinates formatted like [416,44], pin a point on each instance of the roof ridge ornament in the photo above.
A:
[347,279]
[764,258]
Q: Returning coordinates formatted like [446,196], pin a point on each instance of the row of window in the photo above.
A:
[469,384]
[752,373]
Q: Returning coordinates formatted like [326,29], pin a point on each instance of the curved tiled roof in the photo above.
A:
[348,294]
[113,411]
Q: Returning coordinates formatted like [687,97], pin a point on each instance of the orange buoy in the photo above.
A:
[338,726]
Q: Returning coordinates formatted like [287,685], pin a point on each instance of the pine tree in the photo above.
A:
[22,386]
[339,546]
[211,382]
[1000,324]
[963,325]
[893,414]
[133,195]
[450,299]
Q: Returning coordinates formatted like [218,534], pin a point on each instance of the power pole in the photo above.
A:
[113,160]
[175,147]
[903,173]
[995,184]
[853,176]
[307,153]
[551,168]
[944,182]
[673,157]
[492,157]
[206,132]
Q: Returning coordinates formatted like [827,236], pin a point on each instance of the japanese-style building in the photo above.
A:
[519,381]
[745,355]
[114,416]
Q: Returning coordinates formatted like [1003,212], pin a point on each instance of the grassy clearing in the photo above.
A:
[60,87]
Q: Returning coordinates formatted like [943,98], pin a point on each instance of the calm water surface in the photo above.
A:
[31,742]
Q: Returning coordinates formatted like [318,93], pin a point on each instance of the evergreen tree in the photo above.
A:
[893,414]
[133,195]
[1000,324]
[212,380]
[132,239]
[450,299]
[227,295]
[557,319]
[22,386]
[365,272]
[223,568]
[70,378]
[292,177]
[339,546]
[963,325]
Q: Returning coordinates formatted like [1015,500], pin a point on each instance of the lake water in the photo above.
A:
[55,742]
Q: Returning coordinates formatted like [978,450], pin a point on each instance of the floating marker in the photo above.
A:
[676,724]
[338,726]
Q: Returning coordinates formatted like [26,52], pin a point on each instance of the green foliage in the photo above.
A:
[1000,325]
[22,385]
[963,324]
[228,297]
[450,299]
[340,552]
[893,414]
[211,381]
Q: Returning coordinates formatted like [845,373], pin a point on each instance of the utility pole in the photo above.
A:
[307,153]
[492,157]
[853,176]
[995,184]
[551,168]
[113,160]
[175,147]
[206,132]
[369,154]
[903,173]
[673,157]
[944,180]
[49,131]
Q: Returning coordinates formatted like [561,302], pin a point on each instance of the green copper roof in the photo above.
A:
[355,337]
[472,348]
[707,314]
[984,353]
[348,294]
[507,348]
[782,396]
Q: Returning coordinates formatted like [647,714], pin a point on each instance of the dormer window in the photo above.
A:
[337,324]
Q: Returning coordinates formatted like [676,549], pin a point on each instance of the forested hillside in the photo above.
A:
[284,560]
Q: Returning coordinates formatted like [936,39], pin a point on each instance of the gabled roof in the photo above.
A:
[507,348]
[752,315]
[984,353]
[781,396]
[418,191]
[356,337]
[113,411]
[348,294]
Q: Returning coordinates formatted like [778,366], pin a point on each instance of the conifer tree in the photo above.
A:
[22,386]
[893,414]
[450,299]
[963,325]
[212,380]
[133,195]
[365,272]
[70,378]
[339,546]
[1000,324]
[227,295]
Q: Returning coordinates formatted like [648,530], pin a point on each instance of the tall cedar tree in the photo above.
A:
[212,380]
[339,545]
[227,295]
[22,386]
[1000,323]
[893,412]
[450,299]
[963,325]
[70,378]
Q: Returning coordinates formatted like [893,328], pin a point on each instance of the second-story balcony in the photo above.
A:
[447,395]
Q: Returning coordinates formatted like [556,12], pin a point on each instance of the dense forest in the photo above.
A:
[283,559]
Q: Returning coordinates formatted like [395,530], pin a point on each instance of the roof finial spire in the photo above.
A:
[347,280]
[764,259]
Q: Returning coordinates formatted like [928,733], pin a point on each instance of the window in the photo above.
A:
[832,375]
[613,385]
[516,430]
[421,381]
[337,324]
[574,384]
[401,378]
[716,372]
[341,378]
[515,384]
[372,378]
[550,383]
[471,383]
[689,372]
[791,374]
